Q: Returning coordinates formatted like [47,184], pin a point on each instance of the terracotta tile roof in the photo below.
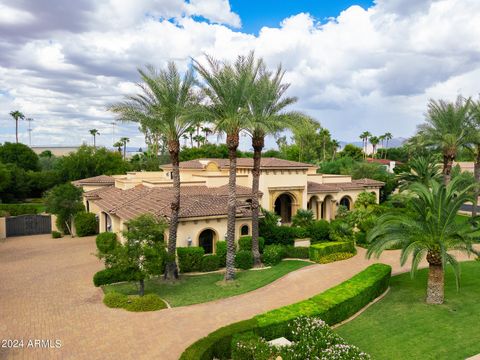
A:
[101,179]
[266,163]
[196,201]
[336,187]
[94,194]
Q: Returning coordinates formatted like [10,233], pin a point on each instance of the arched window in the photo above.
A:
[205,240]
[244,230]
[345,201]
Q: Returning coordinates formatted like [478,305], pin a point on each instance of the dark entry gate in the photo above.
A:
[28,225]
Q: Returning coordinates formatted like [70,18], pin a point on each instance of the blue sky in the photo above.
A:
[256,14]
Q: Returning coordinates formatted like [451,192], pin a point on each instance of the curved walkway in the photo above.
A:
[46,292]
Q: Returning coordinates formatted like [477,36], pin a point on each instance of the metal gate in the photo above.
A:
[28,225]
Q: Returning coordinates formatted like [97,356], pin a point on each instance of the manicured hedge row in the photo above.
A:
[333,306]
[111,276]
[19,209]
[318,251]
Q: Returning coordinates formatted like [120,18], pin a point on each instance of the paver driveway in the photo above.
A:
[46,292]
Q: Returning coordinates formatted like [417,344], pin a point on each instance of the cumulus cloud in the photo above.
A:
[366,69]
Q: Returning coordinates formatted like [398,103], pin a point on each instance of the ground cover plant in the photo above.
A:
[448,331]
[196,289]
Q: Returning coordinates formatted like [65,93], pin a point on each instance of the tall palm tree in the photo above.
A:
[94,133]
[168,103]
[430,230]
[364,136]
[17,115]
[228,88]
[475,147]
[266,116]
[335,146]
[207,131]
[446,128]
[387,136]
[374,140]
[124,141]
[119,146]
[422,169]
[325,137]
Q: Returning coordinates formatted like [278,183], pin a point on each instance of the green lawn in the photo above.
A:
[402,326]
[194,289]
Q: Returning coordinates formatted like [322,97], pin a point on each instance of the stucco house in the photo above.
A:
[285,187]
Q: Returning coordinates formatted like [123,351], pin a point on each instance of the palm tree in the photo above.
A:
[335,146]
[266,116]
[207,132]
[119,146]
[124,141]
[17,115]
[446,128]
[387,136]
[364,136]
[325,137]
[430,230]
[475,139]
[228,88]
[374,140]
[169,104]
[94,133]
[422,169]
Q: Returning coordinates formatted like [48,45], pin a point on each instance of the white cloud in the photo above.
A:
[367,69]
[12,16]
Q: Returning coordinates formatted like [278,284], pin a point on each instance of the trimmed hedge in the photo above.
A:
[86,224]
[19,209]
[190,258]
[149,302]
[210,263]
[244,259]
[284,235]
[111,275]
[318,251]
[106,242]
[299,252]
[336,257]
[221,252]
[333,306]
[245,243]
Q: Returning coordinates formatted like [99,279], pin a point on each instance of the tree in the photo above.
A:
[303,218]
[17,115]
[143,251]
[20,155]
[335,146]
[266,116]
[374,140]
[430,230]
[119,146]
[387,137]
[5,178]
[228,88]
[365,136]
[167,104]
[446,128]
[94,133]
[422,169]
[124,141]
[475,148]
[65,201]
[351,151]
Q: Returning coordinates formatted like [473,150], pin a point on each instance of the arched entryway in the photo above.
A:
[206,239]
[327,208]
[347,202]
[283,208]
[314,204]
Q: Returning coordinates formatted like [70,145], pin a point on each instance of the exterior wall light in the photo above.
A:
[189,241]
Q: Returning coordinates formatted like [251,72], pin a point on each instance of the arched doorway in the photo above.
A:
[327,208]
[283,208]
[314,205]
[345,201]
[206,240]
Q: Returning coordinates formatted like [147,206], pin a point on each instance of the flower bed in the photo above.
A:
[322,252]
[333,306]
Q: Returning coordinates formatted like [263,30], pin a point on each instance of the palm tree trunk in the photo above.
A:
[232,144]
[476,172]
[16,130]
[386,149]
[141,290]
[435,285]
[124,150]
[447,168]
[94,142]
[258,143]
[171,270]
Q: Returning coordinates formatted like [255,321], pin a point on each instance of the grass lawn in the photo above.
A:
[194,289]
[402,326]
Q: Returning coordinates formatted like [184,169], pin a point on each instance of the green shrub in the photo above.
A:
[319,231]
[19,209]
[112,275]
[283,235]
[300,232]
[244,259]
[115,300]
[340,231]
[333,306]
[106,242]
[86,224]
[149,302]
[245,243]
[210,263]
[361,238]
[302,218]
[336,257]
[221,252]
[250,346]
[273,254]
[318,251]
[299,252]
[190,258]
[56,234]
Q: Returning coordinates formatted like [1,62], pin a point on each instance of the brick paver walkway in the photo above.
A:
[46,292]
